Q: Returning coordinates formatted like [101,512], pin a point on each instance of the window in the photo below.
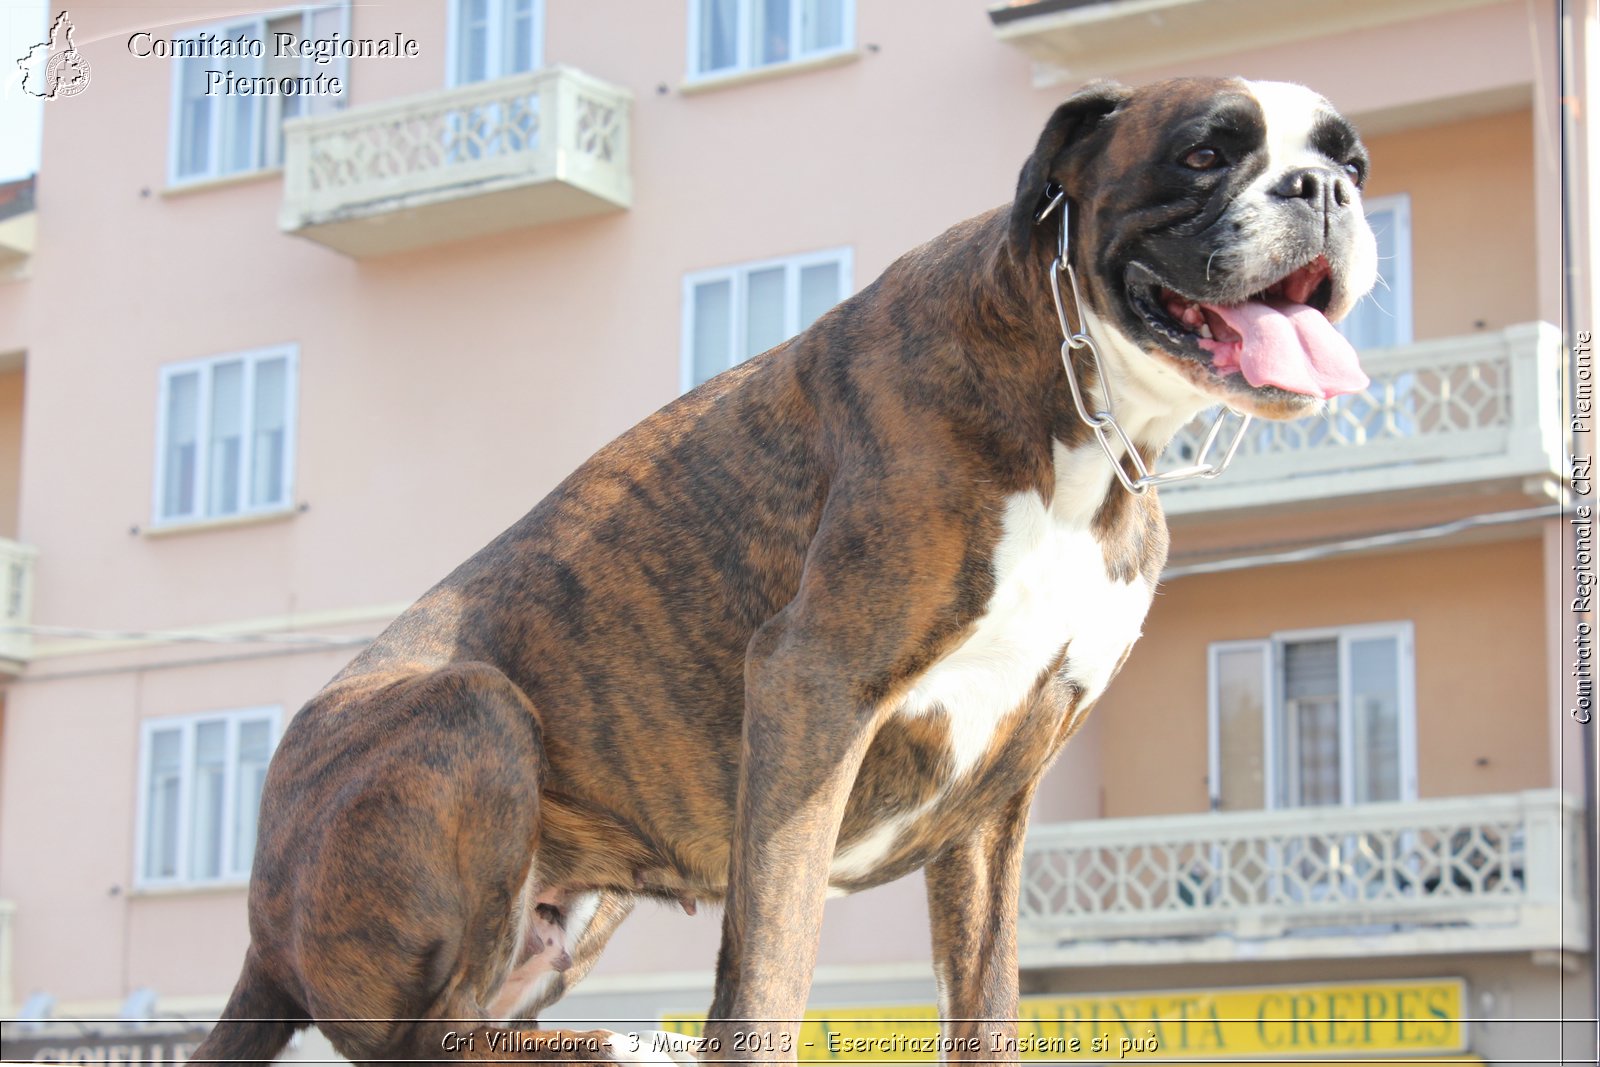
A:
[726,36]
[734,313]
[225,436]
[1314,718]
[200,780]
[231,133]
[1383,317]
[495,39]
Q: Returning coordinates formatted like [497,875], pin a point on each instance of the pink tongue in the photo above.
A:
[1288,345]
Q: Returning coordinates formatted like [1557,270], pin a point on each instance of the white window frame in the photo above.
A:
[1273,682]
[188,724]
[744,62]
[1394,277]
[266,110]
[497,41]
[738,275]
[205,367]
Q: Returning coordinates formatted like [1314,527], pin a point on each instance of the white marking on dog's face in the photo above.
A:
[1241,233]
[1292,112]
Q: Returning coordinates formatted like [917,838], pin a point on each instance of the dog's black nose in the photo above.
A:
[1321,187]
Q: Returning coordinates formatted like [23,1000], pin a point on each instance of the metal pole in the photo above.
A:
[1572,50]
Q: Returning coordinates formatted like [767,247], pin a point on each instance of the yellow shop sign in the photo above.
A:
[1414,1018]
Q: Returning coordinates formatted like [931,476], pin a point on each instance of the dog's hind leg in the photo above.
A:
[257,1023]
[406,814]
[397,874]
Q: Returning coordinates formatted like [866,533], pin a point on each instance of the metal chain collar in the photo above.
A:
[1104,423]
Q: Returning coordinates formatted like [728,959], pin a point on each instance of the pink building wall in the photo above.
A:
[442,392]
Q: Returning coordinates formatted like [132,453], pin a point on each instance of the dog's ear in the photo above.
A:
[1083,112]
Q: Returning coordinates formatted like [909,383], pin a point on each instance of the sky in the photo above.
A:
[22,25]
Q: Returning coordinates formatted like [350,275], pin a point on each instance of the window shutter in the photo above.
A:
[712,309]
[821,25]
[820,289]
[717,48]
[163,782]
[180,458]
[322,23]
[522,36]
[270,427]
[226,444]
[1376,741]
[1309,748]
[1240,683]
[764,324]
[255,749]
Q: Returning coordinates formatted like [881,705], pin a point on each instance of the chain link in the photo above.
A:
[1106,429]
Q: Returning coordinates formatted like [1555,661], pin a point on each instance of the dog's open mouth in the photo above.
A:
[1278,337]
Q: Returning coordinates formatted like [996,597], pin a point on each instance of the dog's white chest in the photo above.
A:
[1052,592]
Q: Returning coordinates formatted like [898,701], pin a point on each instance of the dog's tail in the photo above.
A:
[255,1026]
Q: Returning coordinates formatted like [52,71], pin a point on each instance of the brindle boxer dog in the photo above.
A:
[821,622]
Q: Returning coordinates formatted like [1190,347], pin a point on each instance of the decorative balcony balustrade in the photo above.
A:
[16,604]
[458,163]
[1465,410]
[1468,873]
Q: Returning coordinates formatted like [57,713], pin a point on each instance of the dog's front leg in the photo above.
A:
[805,735]
[972,904]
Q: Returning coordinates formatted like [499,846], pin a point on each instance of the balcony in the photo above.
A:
[1477,413]
[1467,874]
[1080,39]
[16,605]
[458,163]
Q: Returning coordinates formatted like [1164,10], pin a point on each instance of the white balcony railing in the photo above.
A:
[1476,873]
[1459,411]
[16,604]
[458,163]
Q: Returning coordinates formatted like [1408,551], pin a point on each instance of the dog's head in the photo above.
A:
[1216,230]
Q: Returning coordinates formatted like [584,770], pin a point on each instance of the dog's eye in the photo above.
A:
[1356,171]
[1203,158]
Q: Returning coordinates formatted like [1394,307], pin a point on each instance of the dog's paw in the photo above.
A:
[653,1047]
